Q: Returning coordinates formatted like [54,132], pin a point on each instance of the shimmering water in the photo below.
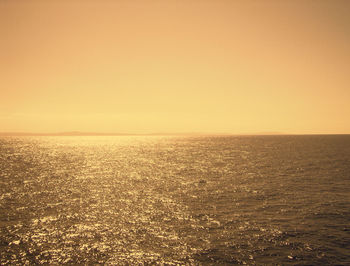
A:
[175,200]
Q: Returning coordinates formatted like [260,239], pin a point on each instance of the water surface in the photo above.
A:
[175,200]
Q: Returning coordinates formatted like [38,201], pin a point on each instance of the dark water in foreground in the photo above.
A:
[175,200]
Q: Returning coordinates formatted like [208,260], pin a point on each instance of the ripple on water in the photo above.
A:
[175,200]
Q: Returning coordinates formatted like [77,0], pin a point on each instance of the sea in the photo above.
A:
[175,200]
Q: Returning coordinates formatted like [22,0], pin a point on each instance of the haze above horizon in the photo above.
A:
[80,133]
[235,67]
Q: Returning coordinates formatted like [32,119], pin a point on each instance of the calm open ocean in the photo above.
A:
[175,200]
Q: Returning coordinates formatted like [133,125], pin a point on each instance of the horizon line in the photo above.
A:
[82,133]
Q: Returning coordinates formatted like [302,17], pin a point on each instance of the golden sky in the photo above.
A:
[214,66]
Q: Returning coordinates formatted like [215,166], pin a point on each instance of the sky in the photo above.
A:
[175,66]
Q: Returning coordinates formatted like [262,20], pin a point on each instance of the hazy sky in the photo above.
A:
[211,66]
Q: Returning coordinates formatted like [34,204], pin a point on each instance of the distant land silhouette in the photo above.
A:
[81,133]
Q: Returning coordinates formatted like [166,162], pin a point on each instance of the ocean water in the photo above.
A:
[175,200]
